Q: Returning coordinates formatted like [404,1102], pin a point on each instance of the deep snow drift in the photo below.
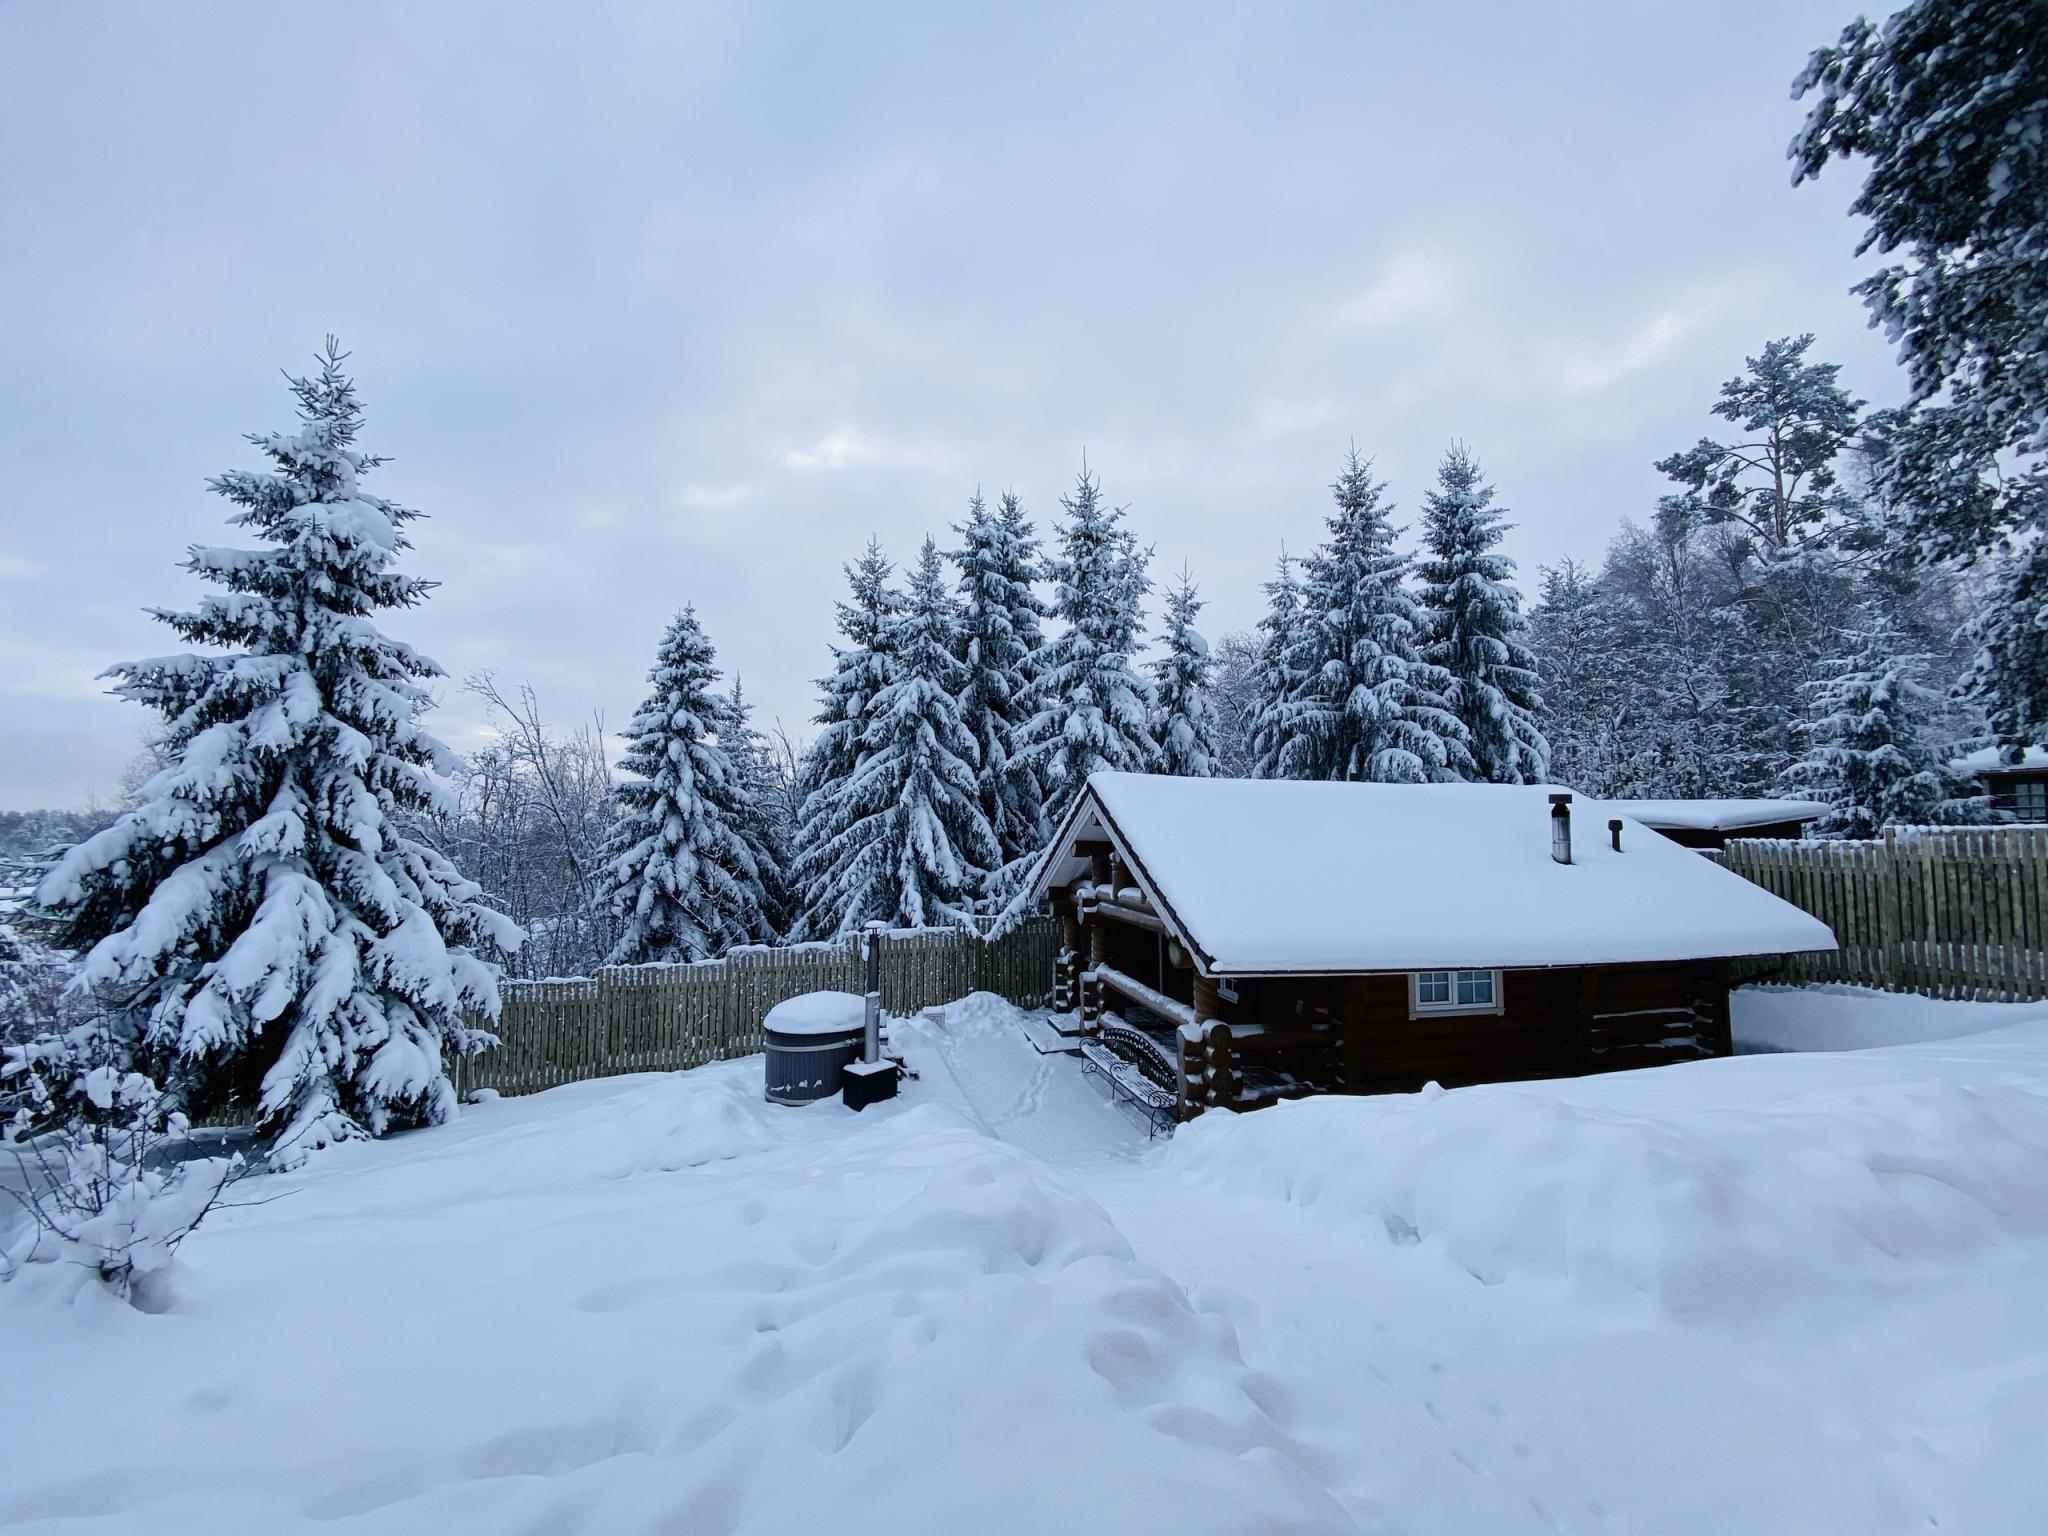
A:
[1779,1293]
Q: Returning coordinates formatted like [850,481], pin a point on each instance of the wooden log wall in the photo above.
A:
[659,1018]
[1952,912]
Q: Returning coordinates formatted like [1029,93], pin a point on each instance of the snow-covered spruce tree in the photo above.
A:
[1233,690]
[1183,718]
[999,633]
[1589,699]
[1476,630]
[764,821]
[1866,754]
[902,839]
[862,668]
[267,911]
[1277,682]
[1095,708]
[1369,707]
[1946,104]
[678,872]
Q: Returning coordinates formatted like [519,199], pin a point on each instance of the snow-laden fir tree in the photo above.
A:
[1476,630]
[902,839]
[999,632]
[1369,706]
[861,669]
[1867,755]
[1944,104]
[679,873]
[1183,717]
[1277,682]
[268,914]
[764,821]
[1095,709]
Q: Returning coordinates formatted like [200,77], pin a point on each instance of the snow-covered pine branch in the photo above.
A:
[267,913]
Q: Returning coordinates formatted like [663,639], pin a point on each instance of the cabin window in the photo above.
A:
[1455,992]
[2030,800]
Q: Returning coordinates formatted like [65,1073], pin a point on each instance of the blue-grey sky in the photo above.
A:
[655,304]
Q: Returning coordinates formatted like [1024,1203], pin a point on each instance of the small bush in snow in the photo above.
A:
[92,1144]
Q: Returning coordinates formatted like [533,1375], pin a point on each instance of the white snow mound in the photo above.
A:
[1699,1210]
[818,1013]
[680,1309]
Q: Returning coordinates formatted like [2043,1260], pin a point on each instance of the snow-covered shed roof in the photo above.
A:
[1715,815]
[1269,877]
[1992,760]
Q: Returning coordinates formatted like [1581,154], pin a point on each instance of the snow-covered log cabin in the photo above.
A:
[1237,941]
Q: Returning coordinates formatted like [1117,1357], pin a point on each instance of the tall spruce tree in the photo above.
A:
[861,669]
[1945,105]
[1369,706]
[765,823]
[1476,630]
[680,873]
[1867,755]
[1278,682]
[1590,696]
[903,840]
[1094,708]
[1183,718]
[268,916]
[999,634]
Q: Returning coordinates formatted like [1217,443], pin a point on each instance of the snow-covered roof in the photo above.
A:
[1264,876]
[1715,815]
[1992,760]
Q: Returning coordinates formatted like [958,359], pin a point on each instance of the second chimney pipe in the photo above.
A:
[1614,832]
[1561,828]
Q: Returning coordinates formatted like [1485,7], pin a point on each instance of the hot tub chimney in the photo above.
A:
[1614,833]
[1561,828]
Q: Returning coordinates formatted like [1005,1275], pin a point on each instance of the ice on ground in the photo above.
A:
[1780,1293]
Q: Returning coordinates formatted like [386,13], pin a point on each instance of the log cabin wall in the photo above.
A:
[1553,1023]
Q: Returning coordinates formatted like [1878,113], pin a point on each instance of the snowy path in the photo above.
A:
[1503,1408]
[1776,1294]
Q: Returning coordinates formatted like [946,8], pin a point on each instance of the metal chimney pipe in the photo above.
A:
[1614,832]
[871,1034]
[1561,828]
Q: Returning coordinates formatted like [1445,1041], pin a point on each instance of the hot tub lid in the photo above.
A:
[818,1013]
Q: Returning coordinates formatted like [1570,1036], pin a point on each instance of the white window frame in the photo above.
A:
[1418,1009]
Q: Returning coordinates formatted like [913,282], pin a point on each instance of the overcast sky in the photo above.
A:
[663,304]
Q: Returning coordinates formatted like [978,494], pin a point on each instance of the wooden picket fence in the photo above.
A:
[658,1018]
[1949,911]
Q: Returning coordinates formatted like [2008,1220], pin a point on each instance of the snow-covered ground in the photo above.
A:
[1794,1293]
